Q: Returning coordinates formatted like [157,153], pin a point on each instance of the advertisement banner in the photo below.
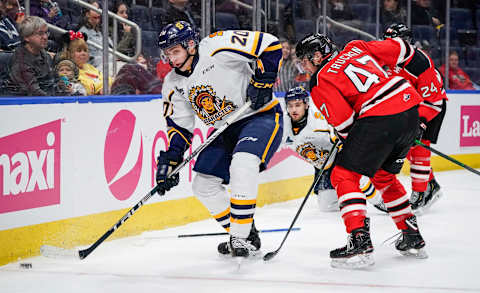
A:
[30,168]
[470,126]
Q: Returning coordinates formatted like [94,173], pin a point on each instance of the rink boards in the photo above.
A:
[70,171]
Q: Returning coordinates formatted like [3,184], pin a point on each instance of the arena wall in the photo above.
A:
[69,171]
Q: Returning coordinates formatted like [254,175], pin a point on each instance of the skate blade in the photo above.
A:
[434,199]
[415,253]
[358,261]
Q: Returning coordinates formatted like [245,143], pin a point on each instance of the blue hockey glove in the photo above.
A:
[166,162]
[260,89]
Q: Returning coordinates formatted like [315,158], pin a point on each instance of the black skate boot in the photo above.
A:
[421,201]
[417,200]
[434,193]
[358,251]
[381,207]
[411,243]
[252,239]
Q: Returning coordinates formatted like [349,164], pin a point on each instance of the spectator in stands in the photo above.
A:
[134,79]
[392,12]
[457,78]
[126,35]
[91,25]
[424,14]
[68,83]
[76,49]
[339,10]
[181,10]
[31,66]
[302,78]
[243,12]
[48,11]
[163,68]
[288,71]
[9,36]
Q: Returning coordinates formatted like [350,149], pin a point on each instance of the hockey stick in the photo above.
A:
[332,152]
[447,157]
[226,233]
[52,251]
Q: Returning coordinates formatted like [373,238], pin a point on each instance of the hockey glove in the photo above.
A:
[260,89]
[166,162]
[422,127]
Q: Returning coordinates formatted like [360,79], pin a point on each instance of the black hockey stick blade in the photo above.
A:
[270,255]
[447,157]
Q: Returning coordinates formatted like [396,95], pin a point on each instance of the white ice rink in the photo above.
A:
[161,262]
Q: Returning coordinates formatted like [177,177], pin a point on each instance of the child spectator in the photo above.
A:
[76,49]
[67,72]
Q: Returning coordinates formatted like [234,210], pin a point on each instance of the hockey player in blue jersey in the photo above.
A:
[211,79]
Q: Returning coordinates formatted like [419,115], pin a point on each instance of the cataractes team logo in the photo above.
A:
[308,151]
[208,106]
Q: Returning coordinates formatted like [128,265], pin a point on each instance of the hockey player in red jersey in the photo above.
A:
[417,67]
[377,117]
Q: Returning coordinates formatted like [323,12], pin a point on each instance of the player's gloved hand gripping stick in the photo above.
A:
[53,251]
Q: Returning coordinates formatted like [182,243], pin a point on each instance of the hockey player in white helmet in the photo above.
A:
[212,79]
[311,137]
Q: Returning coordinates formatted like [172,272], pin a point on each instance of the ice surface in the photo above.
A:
[158,261]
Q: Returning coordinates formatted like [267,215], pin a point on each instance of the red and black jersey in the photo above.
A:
[353,85]
[414,65]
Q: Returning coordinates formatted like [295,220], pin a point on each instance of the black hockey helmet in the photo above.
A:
[398,30]
[313,43]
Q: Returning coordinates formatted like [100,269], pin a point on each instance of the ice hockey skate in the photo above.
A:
[421,201]
[358,253]
[410,243]
[381,207]
[242,247]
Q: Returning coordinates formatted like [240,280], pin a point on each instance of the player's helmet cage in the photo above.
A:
[313,43]
[398,30]
[297,93]
[179,32]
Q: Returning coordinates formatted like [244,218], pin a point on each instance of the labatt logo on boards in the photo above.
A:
[123,155]
[470,126]
[30,168]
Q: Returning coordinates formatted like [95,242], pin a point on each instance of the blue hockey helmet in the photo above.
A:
[398,30]
[179,32]
[297,93]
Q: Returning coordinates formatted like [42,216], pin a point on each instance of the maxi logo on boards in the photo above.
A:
[30,168]
[470,126]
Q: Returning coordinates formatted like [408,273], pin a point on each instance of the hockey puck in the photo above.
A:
[26,265]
